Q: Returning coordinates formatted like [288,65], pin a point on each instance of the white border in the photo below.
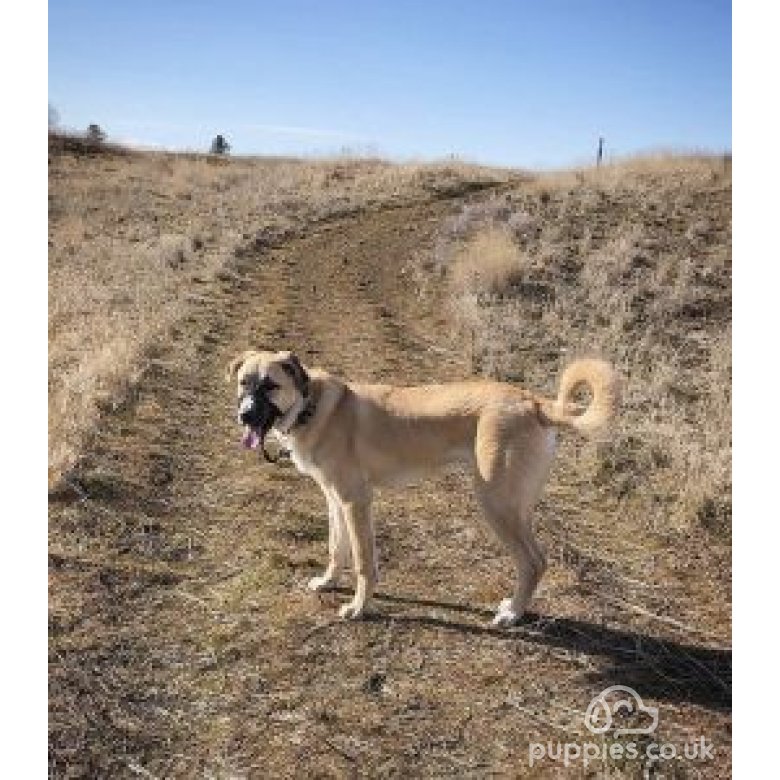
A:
[23,206]
[756,259]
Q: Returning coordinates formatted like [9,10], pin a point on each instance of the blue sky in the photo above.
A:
[520,83]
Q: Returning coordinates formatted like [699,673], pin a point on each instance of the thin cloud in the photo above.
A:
[292,131]
[287,131]
[134,143]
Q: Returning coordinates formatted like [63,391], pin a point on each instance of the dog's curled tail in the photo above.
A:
[602,381]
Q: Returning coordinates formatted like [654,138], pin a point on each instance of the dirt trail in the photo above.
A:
[183,641]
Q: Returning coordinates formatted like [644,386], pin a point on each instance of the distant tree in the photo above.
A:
[95,134]
[54,117]
[220,145]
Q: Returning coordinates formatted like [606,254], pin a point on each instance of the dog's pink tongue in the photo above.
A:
[250,439]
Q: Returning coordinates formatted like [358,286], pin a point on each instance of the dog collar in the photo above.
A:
[309,408]
[306,413]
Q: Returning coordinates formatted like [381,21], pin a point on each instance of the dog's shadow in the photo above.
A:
[663,669]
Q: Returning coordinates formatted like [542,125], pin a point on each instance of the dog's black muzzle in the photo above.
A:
[259,413]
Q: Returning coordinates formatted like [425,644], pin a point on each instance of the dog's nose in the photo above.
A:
[246,408]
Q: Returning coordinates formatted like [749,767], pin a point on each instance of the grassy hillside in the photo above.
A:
[182,640]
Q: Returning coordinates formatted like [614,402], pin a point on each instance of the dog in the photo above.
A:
[353,438]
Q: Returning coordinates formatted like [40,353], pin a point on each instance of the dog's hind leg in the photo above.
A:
[531,562]
[515,530]
[339,551]
[509,479]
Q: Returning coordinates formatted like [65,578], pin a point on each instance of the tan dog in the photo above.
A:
[352,438]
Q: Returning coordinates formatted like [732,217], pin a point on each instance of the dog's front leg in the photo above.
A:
[357,518]
[338,547]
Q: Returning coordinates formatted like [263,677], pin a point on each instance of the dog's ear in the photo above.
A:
[297,372]
[235,364]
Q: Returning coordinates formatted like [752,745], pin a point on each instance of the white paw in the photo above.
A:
[352,611]
[506,616]
[321,583]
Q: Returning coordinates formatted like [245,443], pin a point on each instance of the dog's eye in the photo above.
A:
[267,384]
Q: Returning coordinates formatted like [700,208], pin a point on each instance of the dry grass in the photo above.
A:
[133,236]
[488,262]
